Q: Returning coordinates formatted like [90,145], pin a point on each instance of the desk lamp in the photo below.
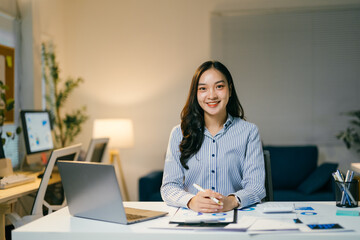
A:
[120,132]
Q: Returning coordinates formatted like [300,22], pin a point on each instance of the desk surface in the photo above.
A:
[24,189]
[60,225]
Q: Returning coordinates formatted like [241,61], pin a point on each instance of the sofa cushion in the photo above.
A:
[291,165]
[318,179]
[150,184]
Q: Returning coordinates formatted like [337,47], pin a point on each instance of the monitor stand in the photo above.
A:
[35,162]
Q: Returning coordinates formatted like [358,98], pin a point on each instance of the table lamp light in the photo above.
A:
[121,134]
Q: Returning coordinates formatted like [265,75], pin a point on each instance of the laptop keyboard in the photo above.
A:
[134,216]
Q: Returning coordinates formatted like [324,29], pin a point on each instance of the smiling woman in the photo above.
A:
[213,95]
[219,150]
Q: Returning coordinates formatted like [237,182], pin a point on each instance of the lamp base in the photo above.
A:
[115,157]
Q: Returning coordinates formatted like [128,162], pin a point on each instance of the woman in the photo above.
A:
[213,147]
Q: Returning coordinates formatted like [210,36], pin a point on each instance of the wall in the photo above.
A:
[296,71]
[137,59]
[8,7]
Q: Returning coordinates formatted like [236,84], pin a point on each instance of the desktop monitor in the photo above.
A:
[37,135]
[96,149]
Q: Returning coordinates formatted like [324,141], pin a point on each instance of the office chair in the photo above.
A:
[67,153]
[96,149]
[268,178]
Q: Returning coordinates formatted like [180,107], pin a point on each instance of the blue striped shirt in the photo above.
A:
[231,162]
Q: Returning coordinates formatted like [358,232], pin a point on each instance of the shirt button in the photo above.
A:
[213,155]
[213,188]
[213,141]
[213,171]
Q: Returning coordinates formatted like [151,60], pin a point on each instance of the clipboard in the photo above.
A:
[188,217]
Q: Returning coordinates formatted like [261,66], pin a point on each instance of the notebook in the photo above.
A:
[92,191]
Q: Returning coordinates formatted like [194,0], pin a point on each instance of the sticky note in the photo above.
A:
[347,213]
[44,158]
[9,61]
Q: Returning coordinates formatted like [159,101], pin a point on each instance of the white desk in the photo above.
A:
[60,225]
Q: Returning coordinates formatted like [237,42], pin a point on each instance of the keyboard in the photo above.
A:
[15,180]
[275,207]
[130,216]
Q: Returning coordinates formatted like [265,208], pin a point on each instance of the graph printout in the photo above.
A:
[184,215]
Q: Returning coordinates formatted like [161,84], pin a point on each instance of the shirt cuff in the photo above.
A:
[184,201]
[237,199]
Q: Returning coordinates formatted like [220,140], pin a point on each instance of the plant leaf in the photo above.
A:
[10,103]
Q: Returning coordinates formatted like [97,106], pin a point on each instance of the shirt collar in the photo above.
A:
[226,125]
[228,122]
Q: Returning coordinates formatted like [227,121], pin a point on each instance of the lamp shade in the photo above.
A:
[120,132]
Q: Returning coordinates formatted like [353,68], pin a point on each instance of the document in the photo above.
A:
[268,224]
[243,224]
[188,216]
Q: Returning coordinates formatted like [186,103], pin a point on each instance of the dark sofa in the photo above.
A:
[149,186]
[296,176]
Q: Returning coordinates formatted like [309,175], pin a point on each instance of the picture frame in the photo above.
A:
[7,76]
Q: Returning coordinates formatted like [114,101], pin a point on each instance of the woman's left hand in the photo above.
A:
[229,203]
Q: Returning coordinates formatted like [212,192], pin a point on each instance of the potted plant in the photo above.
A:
[66,126]
[351,136]
[6,105]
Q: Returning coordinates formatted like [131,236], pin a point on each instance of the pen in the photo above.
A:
[346,193]
[347,176]
[340,176]
[202,190]
[351,176]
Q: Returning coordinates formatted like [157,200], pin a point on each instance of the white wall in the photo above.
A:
[295,71]
[137,58]
[8,7]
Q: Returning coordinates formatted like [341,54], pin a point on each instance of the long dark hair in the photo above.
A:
[192,115]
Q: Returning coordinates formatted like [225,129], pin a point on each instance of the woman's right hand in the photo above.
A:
[201,202]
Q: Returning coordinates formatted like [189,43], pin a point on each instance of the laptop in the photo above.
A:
[92,191]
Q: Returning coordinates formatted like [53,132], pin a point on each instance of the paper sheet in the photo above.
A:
[268,224]
[184,215]
[243,223]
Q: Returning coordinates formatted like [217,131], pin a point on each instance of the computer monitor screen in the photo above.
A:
[37,135]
